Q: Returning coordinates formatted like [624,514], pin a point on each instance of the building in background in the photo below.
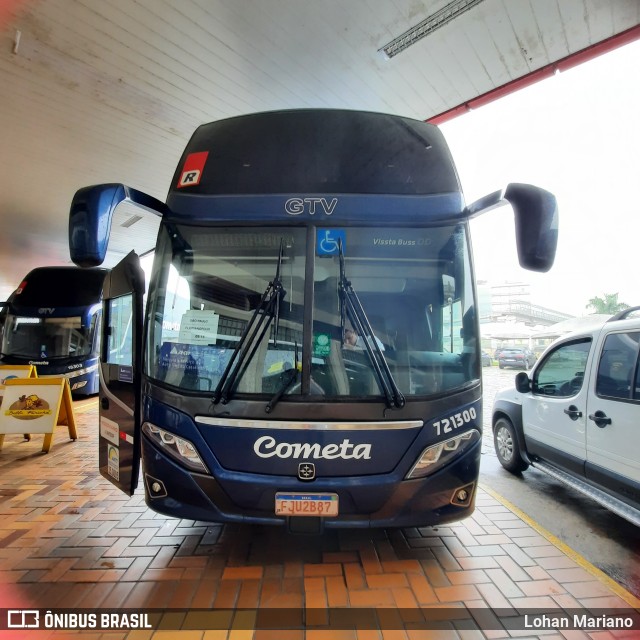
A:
[508,317]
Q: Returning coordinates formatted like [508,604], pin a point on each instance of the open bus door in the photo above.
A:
[120,363]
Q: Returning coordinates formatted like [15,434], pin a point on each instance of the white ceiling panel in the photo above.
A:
[111,90]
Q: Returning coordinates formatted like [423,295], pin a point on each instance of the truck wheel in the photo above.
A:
[505,442]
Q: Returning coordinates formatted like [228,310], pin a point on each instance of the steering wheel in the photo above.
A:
[572,387]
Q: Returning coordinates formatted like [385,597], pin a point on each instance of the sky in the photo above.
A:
[577,135]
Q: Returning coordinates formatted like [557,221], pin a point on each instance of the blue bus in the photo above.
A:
[52,321]
[309,354]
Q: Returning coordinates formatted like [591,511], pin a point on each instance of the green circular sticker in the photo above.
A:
[321,344]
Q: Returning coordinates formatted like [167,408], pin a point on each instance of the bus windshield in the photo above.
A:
[413,284]
[47,338]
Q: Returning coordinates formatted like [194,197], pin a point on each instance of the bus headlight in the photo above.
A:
[178,448]
[437,455]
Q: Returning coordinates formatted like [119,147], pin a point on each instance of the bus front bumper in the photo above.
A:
[367,501]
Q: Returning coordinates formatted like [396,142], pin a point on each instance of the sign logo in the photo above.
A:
[192,169]
[296,206]
[23,619]
[328,241]
[321,345]
[28,408]
[268,447]
[306,471]
[113,462]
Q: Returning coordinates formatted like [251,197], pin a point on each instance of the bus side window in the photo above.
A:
[120,336]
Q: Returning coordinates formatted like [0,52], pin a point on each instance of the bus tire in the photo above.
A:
[505,442]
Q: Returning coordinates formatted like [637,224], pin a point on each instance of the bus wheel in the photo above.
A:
[505,442]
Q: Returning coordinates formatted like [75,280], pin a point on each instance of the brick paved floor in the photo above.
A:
[68,539]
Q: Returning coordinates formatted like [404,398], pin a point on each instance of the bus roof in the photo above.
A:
[315,151]
[59,287]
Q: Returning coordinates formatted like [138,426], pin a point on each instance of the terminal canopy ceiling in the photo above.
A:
[111,91]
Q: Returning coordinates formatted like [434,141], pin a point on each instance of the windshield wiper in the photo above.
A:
[350,305]
[291,377]
[267,310]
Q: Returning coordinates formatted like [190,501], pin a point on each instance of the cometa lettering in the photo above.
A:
[267,447]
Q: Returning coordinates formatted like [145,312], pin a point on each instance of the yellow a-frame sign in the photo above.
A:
[38,405]
[11,371]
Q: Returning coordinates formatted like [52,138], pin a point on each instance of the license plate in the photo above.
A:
[307,504]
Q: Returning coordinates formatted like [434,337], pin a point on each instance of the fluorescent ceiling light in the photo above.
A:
[427,26]
[131,221]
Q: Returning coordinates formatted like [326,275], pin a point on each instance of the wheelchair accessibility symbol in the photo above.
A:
[328,241]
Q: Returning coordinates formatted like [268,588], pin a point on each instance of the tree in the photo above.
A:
[608,304]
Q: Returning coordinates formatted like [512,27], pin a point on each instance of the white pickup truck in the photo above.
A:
[576,416]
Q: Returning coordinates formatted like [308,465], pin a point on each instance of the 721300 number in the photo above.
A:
[446,425]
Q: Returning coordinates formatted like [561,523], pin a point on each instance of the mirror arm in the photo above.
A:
[488,202]
[536,219]
[145,201]
[91,214]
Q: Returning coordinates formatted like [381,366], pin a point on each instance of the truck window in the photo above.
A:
[617,366]
[562,372]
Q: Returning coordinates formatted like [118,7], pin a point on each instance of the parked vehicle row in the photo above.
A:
[52,321]
[517,357]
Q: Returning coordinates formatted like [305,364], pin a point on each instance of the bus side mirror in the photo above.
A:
[523,384]
[90,222]
[90,217]
[536,218]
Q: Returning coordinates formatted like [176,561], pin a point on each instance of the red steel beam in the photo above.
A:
[573,60]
